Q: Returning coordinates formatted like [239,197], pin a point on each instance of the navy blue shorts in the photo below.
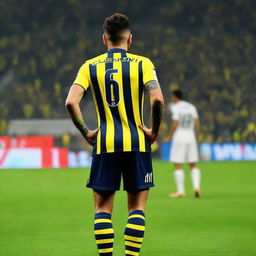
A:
[135,167]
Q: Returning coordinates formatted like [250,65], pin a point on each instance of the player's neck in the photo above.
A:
[120,46]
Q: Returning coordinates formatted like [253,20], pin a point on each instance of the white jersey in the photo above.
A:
[186,114]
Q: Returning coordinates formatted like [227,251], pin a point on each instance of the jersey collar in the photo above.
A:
[117,50]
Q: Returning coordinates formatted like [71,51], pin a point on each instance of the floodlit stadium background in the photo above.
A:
[205,47]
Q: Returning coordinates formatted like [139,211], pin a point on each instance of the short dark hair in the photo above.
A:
[178,93]
[114,25]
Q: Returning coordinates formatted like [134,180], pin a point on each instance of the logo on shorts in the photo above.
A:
[148,177]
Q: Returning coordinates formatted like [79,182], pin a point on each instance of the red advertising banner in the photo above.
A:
[54,158]
[5,142]
[31,152]
[27,142]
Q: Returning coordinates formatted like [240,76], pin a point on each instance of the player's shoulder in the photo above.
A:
[182,106]
[190,106]
[138,57]
[173,107]
[187,104]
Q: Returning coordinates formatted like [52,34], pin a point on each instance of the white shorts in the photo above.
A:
[182,152]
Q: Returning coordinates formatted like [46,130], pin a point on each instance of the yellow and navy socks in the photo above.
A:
[104,233]
[134,233]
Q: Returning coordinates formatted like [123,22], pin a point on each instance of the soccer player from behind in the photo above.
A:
[184,144]
[121,143]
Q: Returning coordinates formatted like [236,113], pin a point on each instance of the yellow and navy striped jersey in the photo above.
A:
[117,80]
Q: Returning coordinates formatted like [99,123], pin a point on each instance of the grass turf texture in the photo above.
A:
[50,213]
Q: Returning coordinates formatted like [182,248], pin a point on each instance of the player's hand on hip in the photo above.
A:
[91,135]
[149,133]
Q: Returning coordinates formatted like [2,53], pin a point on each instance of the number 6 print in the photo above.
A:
[111,88]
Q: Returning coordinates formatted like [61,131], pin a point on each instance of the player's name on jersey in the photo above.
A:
[111,60]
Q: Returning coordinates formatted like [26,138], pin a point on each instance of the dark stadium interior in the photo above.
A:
[207,49]
[203,202]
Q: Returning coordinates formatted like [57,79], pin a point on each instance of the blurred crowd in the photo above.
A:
[206,48]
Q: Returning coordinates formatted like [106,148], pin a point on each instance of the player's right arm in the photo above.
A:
[73,100]
[156,99]
[174,126]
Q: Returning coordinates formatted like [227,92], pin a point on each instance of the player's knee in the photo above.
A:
[192,165]
[177,166]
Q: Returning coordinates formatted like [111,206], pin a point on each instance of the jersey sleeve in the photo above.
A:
[195,113]
[82,77]
[175,113]
[149,72]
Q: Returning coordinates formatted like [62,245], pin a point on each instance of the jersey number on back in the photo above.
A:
[186,121]
[111,88]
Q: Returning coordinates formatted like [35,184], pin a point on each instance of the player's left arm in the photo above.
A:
[197,126]
[157,104]
[196,121]
[151,85]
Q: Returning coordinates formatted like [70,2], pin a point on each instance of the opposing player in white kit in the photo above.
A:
[184,144]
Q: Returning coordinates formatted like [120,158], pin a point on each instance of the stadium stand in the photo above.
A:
[205,49]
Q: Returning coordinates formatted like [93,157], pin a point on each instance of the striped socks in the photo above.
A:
[104,233]
[134,233]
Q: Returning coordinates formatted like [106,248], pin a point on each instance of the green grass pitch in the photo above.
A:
[50,213]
